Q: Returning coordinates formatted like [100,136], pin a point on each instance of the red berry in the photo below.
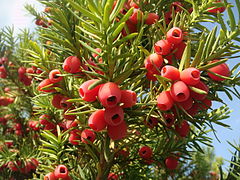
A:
[221,69]
[97,121]
[86,94]
[217,9]
[180,49]
[168,17]
[191,76]
[162,47]
[164,101]
[186,105]
[68,117]
[50,176]
[46,86]
[145,152]
[34,163]
[112,176]
[169,119]
[152,122]
[176,6]
[89,135]
[61,171]
[136,16]
[13,166]
[64,104]
[179,91]
[153,62]
[183,128]
[206,104]
[117,132]
[39,22]
[175,35]
[71,124]
[114,116]
[109,94]
[75,137]
[21,72]
[170,72]
[150,76]
[128,98]
[152,18]
[201,86]
[44,119]
[129,28]
[3,72]
[56,100]
[72,64]
[54,76]
[30,70]
[171,162]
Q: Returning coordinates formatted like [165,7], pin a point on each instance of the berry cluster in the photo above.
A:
[3,71]
[24,168]
[173,46]
[112,117]
[137,17]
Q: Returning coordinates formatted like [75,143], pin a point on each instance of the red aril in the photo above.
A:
[64,103]
[61,171]
[54,76]
[186,105]
[109,94]
[164,101]
[128,98]
[162,47]
[46,86]
[170,72]
[179,91]
[169,119]
[75,137]
[88,135]
[153,62]
[171,162]
[175,35]
[152,18]
[191,76]
[179,49]
[72,64]
[221,69]
[117,132]
[97,121]
[56,100]
[145,152]
[86,94]
[183,128]
[114,116]
[200,86]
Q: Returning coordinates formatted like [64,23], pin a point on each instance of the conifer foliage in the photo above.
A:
[114,89]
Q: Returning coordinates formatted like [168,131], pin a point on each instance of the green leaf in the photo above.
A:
[126,38]
[186,57]
[199,91]
[118,30]
[231,18]
[85,12]
[197,59]
[93,7]
[101,81]
[205,67]
[116,10]
[123,76]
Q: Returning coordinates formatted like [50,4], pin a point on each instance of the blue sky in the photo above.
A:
[12,12]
